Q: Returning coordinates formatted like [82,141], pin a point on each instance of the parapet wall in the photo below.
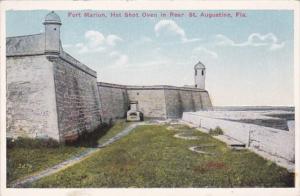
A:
[77,99]
[185,100]
[114,101]
[153,101]
[25,45]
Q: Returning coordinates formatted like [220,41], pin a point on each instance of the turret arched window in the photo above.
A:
[195,72]
[202,72]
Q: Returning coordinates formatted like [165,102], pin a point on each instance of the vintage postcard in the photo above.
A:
[201,96]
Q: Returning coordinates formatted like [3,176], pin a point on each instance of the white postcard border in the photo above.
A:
[153,5]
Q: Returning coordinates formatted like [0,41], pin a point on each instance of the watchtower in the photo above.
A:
[52,33]
[199,75]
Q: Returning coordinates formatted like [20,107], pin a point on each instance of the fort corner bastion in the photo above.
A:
[50,94]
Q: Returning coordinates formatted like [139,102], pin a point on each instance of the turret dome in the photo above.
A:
[199,65]
[52,18]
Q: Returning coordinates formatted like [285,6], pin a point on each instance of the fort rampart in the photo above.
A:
[50,94]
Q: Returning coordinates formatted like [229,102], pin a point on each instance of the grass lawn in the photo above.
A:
[26,160]
[151,157]
[118,126]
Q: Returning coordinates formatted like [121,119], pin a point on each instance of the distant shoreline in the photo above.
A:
[257,108]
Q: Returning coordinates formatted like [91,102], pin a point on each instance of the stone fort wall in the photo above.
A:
[30,99]
[52,96]
[58,97]
[153,101]
[184,99]
[77,98]
[113,101]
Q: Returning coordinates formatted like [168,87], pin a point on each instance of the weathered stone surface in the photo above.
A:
[31,105]
[189,100]
[205,101]
[154,101]
[77,100]
[49,93]
[61,108]
[25,45]
[151,101]
[174,103]
[114,101]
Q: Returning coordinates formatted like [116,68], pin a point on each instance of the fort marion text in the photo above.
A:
[167,14]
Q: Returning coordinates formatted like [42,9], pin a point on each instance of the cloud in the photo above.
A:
[255,40]
[170,27]
[95,41]
[142,41]
[145,39]
[122,60]
[113,39]
[84,48]
[119,58]
[153,64]
[201,50]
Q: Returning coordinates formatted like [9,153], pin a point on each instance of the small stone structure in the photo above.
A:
[134,114]
[50,94]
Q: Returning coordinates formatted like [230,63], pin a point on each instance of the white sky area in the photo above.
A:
[249,60]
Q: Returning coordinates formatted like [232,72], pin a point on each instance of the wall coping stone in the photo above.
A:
[35,38]
[150,87]
[111,85]
[77,64]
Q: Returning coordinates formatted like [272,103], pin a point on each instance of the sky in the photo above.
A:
[249,60]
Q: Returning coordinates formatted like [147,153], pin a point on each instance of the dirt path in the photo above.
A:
[26,181]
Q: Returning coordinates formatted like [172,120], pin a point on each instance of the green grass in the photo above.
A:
[28,156]
[25,161]
[151,157]
[117,127]
[216,131]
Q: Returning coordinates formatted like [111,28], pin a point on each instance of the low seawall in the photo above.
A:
[276,142]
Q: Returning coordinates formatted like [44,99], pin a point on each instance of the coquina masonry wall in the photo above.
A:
[185,99]
[31,105]
[71,102]
[77,97]
[48,95]
[114,101]
[153,101]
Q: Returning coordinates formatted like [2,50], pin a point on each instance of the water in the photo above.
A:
[254,108]
[283,120]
